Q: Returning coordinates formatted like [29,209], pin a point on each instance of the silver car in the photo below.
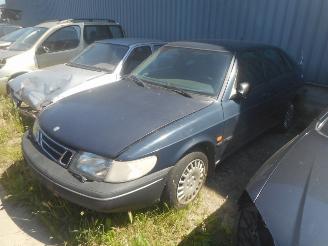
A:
[101,63]
[285,203]
[52,43]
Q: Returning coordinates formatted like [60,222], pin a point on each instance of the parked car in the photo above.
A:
[101,63]
[52,43]
[285,203]
[6,28]
[8,39]
[156,134]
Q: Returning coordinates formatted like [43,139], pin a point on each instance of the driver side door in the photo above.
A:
[59,47]
[245,116]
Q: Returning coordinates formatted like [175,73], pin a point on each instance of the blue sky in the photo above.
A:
[2,1]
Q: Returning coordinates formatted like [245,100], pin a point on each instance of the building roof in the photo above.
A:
[129,41]
[219,45]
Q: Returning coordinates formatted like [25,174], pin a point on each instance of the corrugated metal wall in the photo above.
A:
[298,26]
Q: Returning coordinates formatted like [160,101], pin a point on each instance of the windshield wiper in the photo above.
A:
[136,80]
[85,67]
[181,92]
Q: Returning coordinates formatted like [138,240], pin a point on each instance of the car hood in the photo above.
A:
[41,86]
[4,54]
[108,119]
[294,199]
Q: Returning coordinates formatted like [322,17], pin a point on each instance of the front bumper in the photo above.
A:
[99,196]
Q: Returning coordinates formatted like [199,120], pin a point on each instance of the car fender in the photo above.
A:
[172,142]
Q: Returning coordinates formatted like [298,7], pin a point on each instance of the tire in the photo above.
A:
[251,229]
[185,180]
[288,118]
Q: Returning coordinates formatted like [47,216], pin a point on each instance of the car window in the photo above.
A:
[11,37]
[116,31]
[136,57]
[94,33]
[4,30]
[250,68]
[66,38]
[28,38]
[273,63]
[101,55]
[193,70]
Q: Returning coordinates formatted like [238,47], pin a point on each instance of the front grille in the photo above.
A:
[55,151]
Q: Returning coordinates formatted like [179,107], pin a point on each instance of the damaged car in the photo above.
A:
[285,202]
[51,43]
[158,133]
[101,63]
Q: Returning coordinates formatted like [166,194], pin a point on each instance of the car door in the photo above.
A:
[135,58]
[245,117]
[281,80]
[59,47]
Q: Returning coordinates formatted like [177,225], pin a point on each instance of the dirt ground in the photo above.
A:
[222,191]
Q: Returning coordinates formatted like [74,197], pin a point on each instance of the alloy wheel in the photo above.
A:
[191,181]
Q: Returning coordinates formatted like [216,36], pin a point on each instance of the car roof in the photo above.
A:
[129,41]
[52,23]
[220,45]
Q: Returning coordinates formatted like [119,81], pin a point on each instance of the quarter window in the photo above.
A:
[250,68]
[64,39]
[136,57]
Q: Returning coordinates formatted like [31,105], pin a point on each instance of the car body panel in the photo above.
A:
[290,191]
[36,87]
[122,112]
[135,118]
[54,83]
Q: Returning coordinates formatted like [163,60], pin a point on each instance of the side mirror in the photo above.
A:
[42,50]
[242,90]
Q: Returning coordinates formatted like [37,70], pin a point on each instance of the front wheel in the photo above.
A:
[186,179]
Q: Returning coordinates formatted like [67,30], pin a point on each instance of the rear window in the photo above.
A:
[99,32]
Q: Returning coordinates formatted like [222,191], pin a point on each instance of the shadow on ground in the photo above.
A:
[230,180]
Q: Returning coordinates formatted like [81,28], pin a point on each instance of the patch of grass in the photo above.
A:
[75,225]
[11,130]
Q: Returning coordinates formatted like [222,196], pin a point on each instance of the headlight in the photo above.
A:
[99,168]
[36,130]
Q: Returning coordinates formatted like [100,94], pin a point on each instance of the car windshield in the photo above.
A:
[4,30]
[11,37]
[102,56]
[193,70]
[28,38]
[322,125]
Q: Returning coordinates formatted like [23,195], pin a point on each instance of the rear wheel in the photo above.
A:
[186,179]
